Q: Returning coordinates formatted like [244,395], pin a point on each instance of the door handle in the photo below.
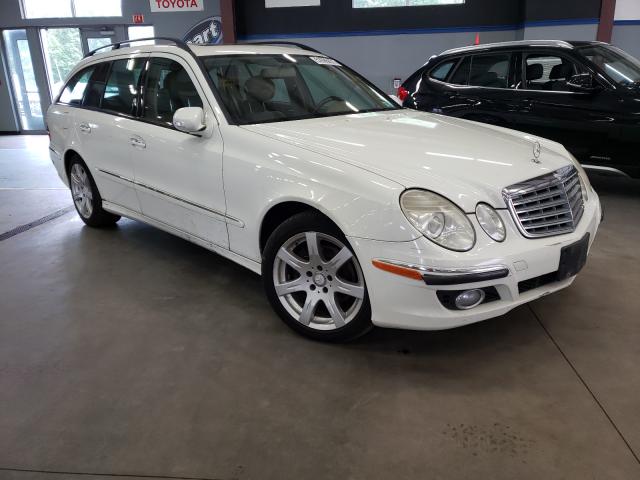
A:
[527,105]
[137,142]
[85,128]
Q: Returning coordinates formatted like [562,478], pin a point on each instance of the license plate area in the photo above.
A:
[572,258]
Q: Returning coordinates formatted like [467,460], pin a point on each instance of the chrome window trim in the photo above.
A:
[227,218]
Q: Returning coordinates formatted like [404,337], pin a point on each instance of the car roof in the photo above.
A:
[569,45]
[207,50]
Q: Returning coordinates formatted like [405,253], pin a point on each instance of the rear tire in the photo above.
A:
[314,281]
[86,197]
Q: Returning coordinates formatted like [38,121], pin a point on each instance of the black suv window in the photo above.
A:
[490,71]
[549,72]
[168,88]
[461,75]
[441,71]
[121,92]
[74,90]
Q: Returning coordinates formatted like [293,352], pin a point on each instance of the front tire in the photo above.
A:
[314,281]
[86,197]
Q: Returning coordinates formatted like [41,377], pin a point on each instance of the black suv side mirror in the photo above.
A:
[583,83]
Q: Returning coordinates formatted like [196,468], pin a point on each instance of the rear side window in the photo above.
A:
[490,71]
[461,75]
[121,91]
[442,71]
[96,86]
[168,88]
[73,92]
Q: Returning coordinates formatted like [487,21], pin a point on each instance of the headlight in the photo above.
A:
[491,222]
[582,176]
[438,219]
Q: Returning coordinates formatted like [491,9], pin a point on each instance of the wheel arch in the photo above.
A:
[279,212]
[68,156]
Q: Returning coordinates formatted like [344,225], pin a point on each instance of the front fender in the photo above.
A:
[261,173]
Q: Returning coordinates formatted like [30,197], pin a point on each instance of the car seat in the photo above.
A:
[535,71]
[559,76]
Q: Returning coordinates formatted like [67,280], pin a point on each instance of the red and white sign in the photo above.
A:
[138,18]
[176,5]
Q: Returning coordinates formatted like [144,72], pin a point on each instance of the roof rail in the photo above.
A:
[115,46]
[292,44]
[516,43]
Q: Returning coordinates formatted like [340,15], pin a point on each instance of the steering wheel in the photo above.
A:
[326,101]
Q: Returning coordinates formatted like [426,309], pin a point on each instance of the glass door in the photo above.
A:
[62,49]
[92,38]
[23,80]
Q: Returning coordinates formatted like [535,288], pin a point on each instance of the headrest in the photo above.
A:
[562,70]
[278,72]
[260,88]
[534,71]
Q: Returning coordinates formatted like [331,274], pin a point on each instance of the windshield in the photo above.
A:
[616,63]
[275,88]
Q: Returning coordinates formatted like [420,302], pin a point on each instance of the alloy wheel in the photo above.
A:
[81,190]
[318,280]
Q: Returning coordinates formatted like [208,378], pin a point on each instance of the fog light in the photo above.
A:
[469,299]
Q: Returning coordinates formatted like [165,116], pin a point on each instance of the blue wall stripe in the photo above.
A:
[626,22]
[564,21]
[414,31]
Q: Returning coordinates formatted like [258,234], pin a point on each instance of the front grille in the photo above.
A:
[548,205]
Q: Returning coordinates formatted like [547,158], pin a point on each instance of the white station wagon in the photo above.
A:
[355,211]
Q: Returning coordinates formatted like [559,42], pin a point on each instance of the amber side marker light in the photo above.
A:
[397,269]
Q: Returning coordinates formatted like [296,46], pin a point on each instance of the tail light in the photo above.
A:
[402,93]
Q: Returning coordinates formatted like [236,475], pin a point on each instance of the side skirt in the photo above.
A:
[234,257]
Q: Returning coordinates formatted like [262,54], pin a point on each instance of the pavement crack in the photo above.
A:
[97,474]
[584,383]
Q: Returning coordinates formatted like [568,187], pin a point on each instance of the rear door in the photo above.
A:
[482,88]
[583,122]
[103,126]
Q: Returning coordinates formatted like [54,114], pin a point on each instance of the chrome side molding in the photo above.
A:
[228,218]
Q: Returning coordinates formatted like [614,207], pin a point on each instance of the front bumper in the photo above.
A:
[412,303]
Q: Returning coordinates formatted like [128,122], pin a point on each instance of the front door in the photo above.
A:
[582,122]
[178,175]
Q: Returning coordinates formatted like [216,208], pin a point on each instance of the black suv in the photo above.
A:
[585,95]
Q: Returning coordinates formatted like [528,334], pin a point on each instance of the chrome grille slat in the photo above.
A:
[539,198]
[551,204]
[563,221]
[548,205]
[527,217]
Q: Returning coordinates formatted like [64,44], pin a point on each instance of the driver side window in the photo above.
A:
[549,72]
[168,88]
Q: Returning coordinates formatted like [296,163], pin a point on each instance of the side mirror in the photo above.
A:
[583,83]
[189,119]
